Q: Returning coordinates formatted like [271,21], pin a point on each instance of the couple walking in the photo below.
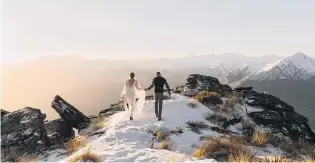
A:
[134,96]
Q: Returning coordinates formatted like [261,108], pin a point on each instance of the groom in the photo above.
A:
[159,83]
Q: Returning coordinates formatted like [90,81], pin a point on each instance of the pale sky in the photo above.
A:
[160,28]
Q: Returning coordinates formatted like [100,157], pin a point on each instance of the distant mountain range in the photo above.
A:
[93,84]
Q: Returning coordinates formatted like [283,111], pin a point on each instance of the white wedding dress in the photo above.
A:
[130,93]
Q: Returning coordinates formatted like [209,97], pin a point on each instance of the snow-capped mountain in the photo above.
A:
[297,66]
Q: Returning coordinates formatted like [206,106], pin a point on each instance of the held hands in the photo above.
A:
[145,89]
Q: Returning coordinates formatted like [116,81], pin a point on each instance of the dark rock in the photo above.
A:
[114,108]
[278,116]
[219,130]
[59,131]
[68,113]
[231,122]
[151,97]
[4,112]
[212,100]
[23,131]
[196,83]
[264,101]
[289,123]
[238,89]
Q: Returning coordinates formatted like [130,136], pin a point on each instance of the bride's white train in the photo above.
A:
[133,96]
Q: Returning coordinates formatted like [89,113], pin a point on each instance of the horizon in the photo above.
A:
[9,61]
[163,29]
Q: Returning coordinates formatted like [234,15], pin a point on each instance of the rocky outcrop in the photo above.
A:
[196,83]
[265,101]
[114,108]
[72,116]
[59,131]
[4,112]
[23,131]
[278,116]
[275,114]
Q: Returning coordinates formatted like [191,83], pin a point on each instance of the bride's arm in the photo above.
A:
[137,85]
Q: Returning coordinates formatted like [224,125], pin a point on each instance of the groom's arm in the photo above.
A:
[152,85]
[168,87]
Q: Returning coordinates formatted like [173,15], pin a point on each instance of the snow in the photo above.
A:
[128,141]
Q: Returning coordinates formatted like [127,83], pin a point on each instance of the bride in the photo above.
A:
[133,96]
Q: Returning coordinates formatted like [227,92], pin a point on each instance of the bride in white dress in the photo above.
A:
[130,93]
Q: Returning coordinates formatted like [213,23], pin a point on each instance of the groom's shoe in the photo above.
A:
[160,118]
[131,118]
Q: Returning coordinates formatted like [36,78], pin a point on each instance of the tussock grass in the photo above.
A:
[274,159]
[192,103]
[205,96]
[75,144]
[223,147]
[87,156]
[296,148]
[231,102]
[98,123]
[165,144]
[261,138]
[241,156]
[27,158]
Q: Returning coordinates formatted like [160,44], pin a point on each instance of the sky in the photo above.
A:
[127,29]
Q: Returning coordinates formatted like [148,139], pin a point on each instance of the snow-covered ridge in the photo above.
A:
[127,141]
[297,66]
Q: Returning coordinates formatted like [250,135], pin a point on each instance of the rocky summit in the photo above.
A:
[196,83]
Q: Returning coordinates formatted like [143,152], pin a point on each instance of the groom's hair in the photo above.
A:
[132,75]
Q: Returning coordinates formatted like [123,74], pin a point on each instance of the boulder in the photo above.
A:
[72,116]
[196,83]
[59,131]
[264,101]
[23,131]
[3,112]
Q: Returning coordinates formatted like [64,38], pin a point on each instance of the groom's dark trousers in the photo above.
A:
[159,97]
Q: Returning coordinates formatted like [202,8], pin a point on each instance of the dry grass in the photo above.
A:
[27,158]
[297,148]
[192,103]
[231,102]
[213,97]
[261,138]
[274,159]
[308,160]
[231,147]
[87,156]
[164,145]
[98,123]
[241,156]
[75,144]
